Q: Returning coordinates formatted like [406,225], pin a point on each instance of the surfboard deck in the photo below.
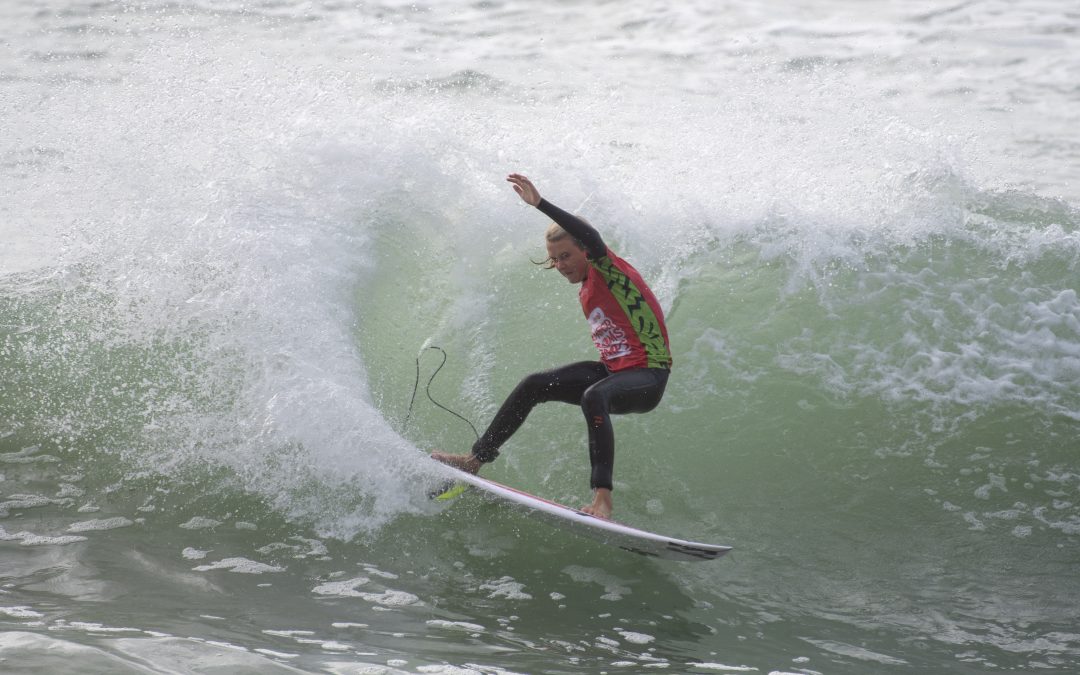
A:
[609,532]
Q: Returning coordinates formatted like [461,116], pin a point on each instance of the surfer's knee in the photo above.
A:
[533,382]
[534,386]
[595,405]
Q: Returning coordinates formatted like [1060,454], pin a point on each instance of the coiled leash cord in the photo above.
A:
[427,390]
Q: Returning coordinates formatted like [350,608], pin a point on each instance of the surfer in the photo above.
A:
[628,329]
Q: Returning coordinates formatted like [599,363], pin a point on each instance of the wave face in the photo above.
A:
[235,232]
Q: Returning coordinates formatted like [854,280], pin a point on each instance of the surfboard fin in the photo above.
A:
[447,491]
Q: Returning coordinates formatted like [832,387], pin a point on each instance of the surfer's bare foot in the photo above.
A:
[601,504]
[468,463]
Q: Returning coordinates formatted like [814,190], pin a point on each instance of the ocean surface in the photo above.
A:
[229,229]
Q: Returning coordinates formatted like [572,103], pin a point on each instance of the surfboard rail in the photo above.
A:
[632,539]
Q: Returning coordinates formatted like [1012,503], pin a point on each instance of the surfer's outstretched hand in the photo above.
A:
[525,189]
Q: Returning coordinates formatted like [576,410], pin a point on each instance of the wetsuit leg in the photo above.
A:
[565,384]
[627,391]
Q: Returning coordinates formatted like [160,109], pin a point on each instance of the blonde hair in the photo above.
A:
[555,233]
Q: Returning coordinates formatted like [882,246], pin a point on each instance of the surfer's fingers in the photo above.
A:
[521,181]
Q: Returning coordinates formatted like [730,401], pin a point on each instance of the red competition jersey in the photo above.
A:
[626,320]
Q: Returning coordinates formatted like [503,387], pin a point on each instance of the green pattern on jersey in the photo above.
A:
[642,318]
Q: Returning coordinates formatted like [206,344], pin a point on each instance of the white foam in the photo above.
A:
[93,627]
[193,554]
[20,501]
[31,539]
[376,572]
[275,654]
[996,482]
[456,625]
[341,588]
[27,456]
[391,598]
[289,633]
[506,587]
[68,490]
[1069,525]
[348,589]
[635,638]
[21,612]
[240,566]
[100,524]
[200,523]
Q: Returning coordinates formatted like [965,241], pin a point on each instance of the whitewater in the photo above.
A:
[230,233]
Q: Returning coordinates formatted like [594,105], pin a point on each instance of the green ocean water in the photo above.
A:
[233,235]
[892,465]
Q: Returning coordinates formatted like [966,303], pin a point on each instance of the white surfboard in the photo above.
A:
[609,532]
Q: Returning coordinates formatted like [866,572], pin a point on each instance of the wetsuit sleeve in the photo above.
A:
[578,229]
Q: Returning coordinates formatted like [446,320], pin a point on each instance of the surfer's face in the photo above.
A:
[569,259]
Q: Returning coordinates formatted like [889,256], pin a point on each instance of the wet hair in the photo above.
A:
[555,233]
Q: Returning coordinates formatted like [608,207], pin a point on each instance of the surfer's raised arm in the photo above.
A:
[577,228]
